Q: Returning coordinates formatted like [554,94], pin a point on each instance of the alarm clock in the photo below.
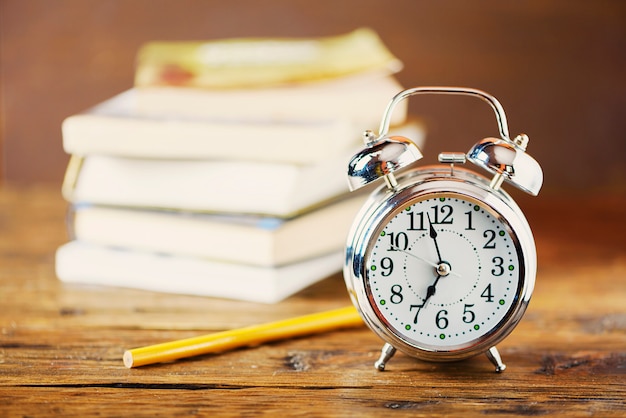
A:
[440,261]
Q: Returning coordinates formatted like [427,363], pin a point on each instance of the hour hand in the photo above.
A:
[430,292]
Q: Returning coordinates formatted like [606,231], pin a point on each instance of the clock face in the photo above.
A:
[444,272]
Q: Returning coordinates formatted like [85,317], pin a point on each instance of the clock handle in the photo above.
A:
[384,155]
[504,157]
[493,102]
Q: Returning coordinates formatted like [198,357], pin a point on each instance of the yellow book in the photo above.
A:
[255,62]
[347,78]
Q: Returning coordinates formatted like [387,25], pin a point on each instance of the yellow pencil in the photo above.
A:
[248,336]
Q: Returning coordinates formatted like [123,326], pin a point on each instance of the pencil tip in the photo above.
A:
[128,359]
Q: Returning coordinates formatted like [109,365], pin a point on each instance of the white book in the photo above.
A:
[245,239]
[275,189]
[360,98]
[116,127]
[77,262]
[281,190]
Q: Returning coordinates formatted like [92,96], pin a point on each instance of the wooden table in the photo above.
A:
[61,346]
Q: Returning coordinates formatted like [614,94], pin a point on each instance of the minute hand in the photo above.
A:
[433,235]
[443,268]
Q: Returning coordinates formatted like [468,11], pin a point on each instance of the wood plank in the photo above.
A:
[61,346]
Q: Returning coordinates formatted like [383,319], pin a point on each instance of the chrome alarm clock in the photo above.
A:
[440,261]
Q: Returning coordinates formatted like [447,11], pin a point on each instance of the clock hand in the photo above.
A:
[429,293]
[430,263]
[433,235]
[442,268]
[432,289]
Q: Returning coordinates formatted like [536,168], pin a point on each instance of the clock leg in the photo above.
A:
[494,356]
[386,353]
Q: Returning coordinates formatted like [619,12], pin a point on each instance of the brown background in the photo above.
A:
[558,67]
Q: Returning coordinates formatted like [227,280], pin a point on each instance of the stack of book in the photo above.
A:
[222,172]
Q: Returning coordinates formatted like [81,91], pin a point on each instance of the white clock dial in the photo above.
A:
[444,272]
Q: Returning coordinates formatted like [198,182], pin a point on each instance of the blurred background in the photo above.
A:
[557,66]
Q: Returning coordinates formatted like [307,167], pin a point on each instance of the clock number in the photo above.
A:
[419,308]
[441,320]
[469,221]
[387,265]
[396,294]
[399,241]
[491,236]
[468,315]
[487,293]
[441,215]
[498,270]
[412,221]
[446,212]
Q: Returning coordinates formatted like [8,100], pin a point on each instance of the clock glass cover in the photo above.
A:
[444,272]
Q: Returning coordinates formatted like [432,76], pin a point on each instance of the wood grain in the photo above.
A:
[61,346]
